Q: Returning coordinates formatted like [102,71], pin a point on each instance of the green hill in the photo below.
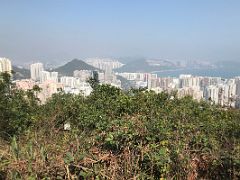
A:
[21,73]
[75,64]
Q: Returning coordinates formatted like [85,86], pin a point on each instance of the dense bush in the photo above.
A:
[122,135]
[17,108]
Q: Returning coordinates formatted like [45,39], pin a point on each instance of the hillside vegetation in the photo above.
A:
[115,135]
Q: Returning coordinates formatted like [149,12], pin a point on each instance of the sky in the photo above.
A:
[60,30]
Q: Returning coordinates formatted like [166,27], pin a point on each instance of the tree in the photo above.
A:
[93,82]
[17,108]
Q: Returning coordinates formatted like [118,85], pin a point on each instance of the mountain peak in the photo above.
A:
[75,64]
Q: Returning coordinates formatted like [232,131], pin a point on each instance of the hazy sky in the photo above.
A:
[57,30]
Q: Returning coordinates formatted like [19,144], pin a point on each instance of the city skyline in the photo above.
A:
[216,90]
[58,31]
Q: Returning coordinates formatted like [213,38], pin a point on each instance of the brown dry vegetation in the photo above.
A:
[117,135]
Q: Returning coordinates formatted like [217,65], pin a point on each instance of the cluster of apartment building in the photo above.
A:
[51,82]
[225,92]
[107,65]
[104,63]
[47,81]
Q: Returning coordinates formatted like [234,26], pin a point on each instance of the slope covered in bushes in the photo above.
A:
[117,135]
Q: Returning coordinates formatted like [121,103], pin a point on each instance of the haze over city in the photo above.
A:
[56,31]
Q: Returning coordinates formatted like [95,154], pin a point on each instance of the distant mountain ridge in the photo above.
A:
[146,65]
[75,64]
[137,65]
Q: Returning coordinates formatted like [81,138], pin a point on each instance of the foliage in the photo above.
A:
[17,108]
[114,134]
[93,82]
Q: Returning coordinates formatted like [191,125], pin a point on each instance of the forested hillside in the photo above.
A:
[115,135]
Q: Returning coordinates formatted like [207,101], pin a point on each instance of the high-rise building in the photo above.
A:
[151,81]
[36,70]
[68,81]
[95,75]
[48,76]
[108,74]
[45,76]
[54,76]
[211,93]
[189,81]
[48,88]
[5,65]
[237,80]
